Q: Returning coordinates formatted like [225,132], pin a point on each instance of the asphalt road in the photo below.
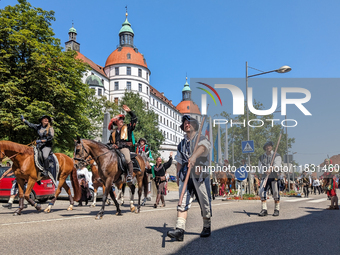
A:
[304,226]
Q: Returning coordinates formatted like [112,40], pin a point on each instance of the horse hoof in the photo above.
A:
[132,209]
[16,213]
[143,204]
[99,217]
[119,213]
[93,205]
[47,210]
[38,207]
[70,208]
[137,211]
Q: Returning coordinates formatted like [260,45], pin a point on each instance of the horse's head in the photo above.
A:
[81,153]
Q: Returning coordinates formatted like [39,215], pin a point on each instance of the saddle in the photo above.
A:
[53,170]
[122,165]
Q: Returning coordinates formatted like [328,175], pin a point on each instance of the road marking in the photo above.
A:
[37,221]
[82,217]
[297,199]
[318,200]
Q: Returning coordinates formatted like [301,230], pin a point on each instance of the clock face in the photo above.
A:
[76,47]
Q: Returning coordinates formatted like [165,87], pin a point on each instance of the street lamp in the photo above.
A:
[283,69]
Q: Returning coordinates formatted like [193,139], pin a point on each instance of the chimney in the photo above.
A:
[162,94]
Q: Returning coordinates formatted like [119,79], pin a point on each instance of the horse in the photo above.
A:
[24,168]
[107,161]
[227,180]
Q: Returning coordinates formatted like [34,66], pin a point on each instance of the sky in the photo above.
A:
[214,39]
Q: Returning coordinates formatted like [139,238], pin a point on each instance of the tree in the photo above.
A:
[269,131]
[38,78]
[147,121]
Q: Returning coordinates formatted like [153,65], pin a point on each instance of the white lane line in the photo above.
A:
[318,200]
[297,199]
[37,221]
[82,217]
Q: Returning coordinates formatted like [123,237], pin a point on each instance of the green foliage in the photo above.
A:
[147,121]
[260,135]
[38,78]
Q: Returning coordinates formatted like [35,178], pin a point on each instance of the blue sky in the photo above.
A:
[214,39]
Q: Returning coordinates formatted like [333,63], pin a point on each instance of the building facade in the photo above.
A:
[126,70]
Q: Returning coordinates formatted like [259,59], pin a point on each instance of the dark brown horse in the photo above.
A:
[24,169]
[107,161]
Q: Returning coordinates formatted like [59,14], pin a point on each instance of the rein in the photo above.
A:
[87,161]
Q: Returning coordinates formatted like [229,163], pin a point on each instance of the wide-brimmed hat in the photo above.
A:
[142,139]
[47,117]
[192,121]
[268,143]
[114,120]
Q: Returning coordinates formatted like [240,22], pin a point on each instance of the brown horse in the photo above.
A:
[24,169]
[107,161]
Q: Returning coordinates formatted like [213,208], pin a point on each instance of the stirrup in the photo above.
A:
[128,178]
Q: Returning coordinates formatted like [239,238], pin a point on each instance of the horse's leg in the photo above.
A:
[56,194]
[140,190]
[21,184]
[68,191]
[132,194]
[108,186]
[29,188]
[95,188]
[119,213]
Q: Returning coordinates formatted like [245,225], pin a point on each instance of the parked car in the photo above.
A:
[40,192]
[63,193]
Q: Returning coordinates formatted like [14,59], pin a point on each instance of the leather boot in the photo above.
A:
[9,205]
[206,232]
[46,167]
[130,172]
[263,213]
[178,234]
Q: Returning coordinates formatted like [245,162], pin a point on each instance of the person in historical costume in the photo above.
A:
[45,141]
[121,137]
[84,180]
[273,178]
[199,181]
[143,150]
[158,172]
[330,184]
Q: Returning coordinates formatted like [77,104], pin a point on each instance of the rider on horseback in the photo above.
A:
[121,137]
[46,134]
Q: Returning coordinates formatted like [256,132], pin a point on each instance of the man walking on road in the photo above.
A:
[272,182]
[199,182]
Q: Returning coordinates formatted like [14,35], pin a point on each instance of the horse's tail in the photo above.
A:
[75,185]
[145,184]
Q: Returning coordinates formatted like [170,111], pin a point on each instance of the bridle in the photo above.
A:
[84,158]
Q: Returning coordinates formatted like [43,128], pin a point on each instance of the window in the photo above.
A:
[128,56]
[128,85]
[103,81]
[167,135]
[153,101]
[128,70]
[170,136]
[147,76]
[117,70]
[157,104]
[147,105]
[140,72]
[167,122]
[139,87]
[147,90]
[116,85]
[116,100]
[100,92]
[161,119]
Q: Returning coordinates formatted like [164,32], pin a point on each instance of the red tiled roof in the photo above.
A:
[188,107]
[156,93]
[93,65]
[120,57]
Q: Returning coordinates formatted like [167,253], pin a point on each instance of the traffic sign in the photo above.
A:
[241,173]
[248,146]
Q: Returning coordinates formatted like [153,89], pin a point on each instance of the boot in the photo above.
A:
[157,200]
[206,232]
[130,172]
[178,234]
[9,205]
[263,213]
[276,213]
[46,167]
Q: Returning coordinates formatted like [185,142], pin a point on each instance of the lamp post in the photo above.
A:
[283,69]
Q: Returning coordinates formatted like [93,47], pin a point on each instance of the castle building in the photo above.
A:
[126,70]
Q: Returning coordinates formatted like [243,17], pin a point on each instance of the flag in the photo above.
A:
[215,147]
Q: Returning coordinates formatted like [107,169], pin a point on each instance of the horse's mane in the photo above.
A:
[99,144]
[20,148]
